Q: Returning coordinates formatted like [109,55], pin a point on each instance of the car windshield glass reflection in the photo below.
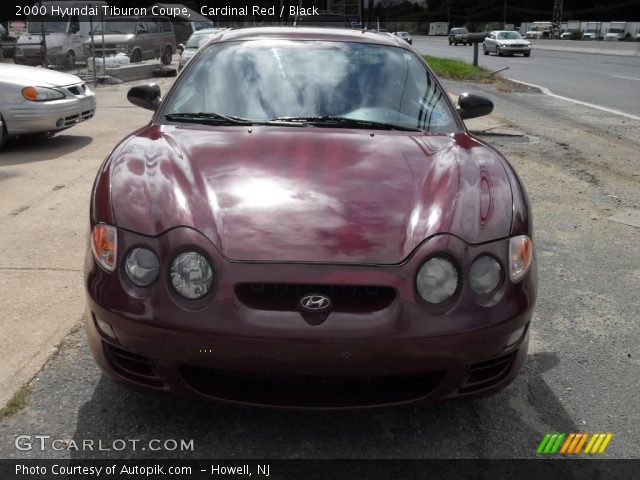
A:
[196,40]
[509,35]
[48,24]
[273,79]
[117,27]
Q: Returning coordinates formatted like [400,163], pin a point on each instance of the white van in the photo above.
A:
[64,34]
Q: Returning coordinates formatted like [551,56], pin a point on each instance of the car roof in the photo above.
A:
[312,33]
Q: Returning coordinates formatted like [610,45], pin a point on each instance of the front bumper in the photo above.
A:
[512,49]
[52,116]
[224,350]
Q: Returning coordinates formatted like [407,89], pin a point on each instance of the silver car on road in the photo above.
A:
[197,38]
[506,42]
[37,100]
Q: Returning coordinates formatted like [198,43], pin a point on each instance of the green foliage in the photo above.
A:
[457,70]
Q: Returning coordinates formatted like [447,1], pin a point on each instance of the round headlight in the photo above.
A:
[437,280]
[142,266]
[191,275]
[485,275]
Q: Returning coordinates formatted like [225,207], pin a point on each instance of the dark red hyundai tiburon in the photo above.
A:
[306,222]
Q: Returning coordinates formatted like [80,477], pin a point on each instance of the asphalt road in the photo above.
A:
[605,80]
[580,166]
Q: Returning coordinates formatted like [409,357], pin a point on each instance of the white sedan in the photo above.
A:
[506,42]
[37,100]
[196,40]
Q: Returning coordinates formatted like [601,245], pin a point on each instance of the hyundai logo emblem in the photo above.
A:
[315,302]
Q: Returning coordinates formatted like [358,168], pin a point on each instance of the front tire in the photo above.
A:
[498,51]
[484,49]
[136,56]
[70,60]
[527,54]
[167,56]
[3,133]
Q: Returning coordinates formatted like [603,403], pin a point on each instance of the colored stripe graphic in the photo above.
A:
[567,443]
[581,444]
[573,443]
[606,441]
[543,443]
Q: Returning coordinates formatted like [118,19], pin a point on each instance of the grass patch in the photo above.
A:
[458,70]
[17,403]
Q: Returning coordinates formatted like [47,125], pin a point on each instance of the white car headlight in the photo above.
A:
[191,275]
[41,94]
[485,275]
[437,280]
[142,266]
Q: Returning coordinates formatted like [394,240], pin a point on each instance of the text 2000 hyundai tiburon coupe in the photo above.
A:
[306,222]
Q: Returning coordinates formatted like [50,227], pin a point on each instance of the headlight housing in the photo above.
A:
[41,94]
[520,257]
[191,275]
[104,246]
[485,275]
[142,266]
[437,280]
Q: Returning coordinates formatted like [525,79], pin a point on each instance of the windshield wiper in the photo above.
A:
[212,118]
[346,122]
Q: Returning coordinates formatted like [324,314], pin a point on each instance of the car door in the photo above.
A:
[155,38]
[491,42]
[142,39]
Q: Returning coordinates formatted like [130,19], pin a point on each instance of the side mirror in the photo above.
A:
[145,96]
[472,106]
[142,28]
[180,48]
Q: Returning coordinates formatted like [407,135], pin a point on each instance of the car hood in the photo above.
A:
[300,194]
[33,39]
[189,52]
[512,41]
[43,77]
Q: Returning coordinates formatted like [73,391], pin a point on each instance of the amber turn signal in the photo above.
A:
[104,242]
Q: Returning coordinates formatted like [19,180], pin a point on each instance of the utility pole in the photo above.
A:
[557,17]
[504,16]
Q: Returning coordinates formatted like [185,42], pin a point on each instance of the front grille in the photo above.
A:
[77,89]
[132,366]
[310,391]
[77,118]
[518,45]
[285,296]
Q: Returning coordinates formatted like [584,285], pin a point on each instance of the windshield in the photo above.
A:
[509,35]
[198,39]
[269,79]
[50,24]
[616,30]
[116,26]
